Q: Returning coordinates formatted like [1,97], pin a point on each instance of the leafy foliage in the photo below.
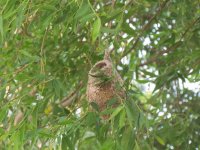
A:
[48,47]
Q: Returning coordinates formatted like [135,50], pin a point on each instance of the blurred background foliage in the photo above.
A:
[48,47]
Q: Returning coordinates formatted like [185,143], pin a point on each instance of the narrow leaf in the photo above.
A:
[161,141]
[84,10]
[116,112]
[96,29]
[1,27]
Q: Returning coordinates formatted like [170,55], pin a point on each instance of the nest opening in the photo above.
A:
[100,65]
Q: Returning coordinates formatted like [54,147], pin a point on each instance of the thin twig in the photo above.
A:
[20,69]
[17,71]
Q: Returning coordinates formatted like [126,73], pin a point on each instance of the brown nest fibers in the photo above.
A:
[104,83]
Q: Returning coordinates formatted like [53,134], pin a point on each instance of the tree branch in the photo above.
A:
[145,27]
[174,46]
[112,7]
[66,101]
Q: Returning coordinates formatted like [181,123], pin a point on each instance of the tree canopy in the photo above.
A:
[48,47]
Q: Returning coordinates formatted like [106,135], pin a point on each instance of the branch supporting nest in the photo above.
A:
[66,101]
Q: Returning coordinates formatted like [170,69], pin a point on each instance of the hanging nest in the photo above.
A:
[104,83]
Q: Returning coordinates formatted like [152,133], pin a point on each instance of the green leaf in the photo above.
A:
[114,14]
[142,81]
[108,30]
[151,74]
[136,146]
[122,119]
[56,87]
[112,102]
[64,121]
[26,53]
[1,28]
[96,29]
[84,10]
[128,138]
[133,112]
[67,143]
[117,111]
[91,118]
[3,113]
[89,17]
[95,106]
[161,141]
[45,132]
[108,145]
[21,14]
[18,138]
[32,57]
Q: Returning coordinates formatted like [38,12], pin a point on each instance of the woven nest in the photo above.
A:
[104,84]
